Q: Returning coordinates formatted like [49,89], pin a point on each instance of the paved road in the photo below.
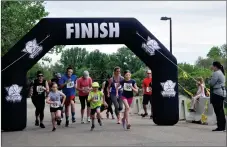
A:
[143,133]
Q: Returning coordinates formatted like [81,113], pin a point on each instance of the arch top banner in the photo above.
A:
[90,31]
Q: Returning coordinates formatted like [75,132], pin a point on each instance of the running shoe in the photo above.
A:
[37,122]
[123,123]
[82,121]
[42,125]
[67,123]
[128,126]
[88,120]
[113,116]
[73,119]
[92,127]
[53,129]
[100,122]
[217,129]
[151,117]
[144,115]
[59,122]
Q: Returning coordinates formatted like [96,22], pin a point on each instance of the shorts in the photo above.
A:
[55,109]
[129,100]
[93,111]
[68,100]
[146,98]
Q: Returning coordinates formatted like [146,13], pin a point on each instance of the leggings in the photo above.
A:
[109,102]
[82,101]
[39,103]
[217,102]
[118,104]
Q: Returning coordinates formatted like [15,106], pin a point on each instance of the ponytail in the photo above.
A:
[222,69]
[219,66]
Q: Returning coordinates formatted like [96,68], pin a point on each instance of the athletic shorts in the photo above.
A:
[68,100]
[55,109]
[93,111]
[129,100]
[146,99]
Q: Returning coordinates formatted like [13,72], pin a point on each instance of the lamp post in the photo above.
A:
[170,25]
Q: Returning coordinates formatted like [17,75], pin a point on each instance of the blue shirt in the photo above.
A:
[69,88]
[127,88]
[113,86]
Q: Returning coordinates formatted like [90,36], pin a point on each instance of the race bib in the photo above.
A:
[85,89]
[39,89]
[116,84]
[128,86]
[148,89]
[55,105]
[96,97]
[70,84]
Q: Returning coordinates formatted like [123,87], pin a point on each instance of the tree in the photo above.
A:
[74,57]
[18,18]
[215,53]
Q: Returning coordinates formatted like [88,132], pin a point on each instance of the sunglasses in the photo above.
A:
[40,75]
[118,71]
[148,73]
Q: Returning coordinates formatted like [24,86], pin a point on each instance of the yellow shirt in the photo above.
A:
[98,99]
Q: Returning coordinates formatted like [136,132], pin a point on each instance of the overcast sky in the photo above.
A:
[197,26]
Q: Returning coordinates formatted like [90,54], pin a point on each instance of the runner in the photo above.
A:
[56,79]
[147,93]
[129,86]
[84,87]
[39,89]
[108,99]
[112,92]
[68,86]
[54,99]
[96,99]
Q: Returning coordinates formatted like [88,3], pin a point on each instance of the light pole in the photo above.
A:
[170,25]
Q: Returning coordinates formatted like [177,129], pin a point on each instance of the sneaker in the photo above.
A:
[144,115]
[128,126]
[217,129]
[113,116]
[59,122]
[123,123]
[92,127]
[42,125]
[67,123]
[107,115]
[151,117]
[73,119]
[118,121]
[88,120]
[82,121]
[62,115]
[37,122]
[53,129]
[100,122]
[192,110]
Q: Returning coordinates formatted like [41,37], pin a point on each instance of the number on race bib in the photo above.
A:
[55,105]
[39,89]
[96,98]
[128,86]
[70,85]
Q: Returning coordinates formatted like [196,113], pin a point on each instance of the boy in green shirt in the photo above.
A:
[96,99]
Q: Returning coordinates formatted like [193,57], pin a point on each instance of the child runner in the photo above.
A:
[129,85]
[54,99]
[96,99]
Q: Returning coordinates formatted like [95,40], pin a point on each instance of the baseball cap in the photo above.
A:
[148,71]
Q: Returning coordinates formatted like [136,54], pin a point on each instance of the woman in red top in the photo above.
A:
[147,92]
[84,87]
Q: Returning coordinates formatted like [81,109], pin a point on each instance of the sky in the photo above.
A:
[196,26]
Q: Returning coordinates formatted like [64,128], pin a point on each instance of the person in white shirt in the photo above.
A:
[200,93]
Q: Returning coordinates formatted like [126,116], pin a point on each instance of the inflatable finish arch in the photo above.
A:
[85,31]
